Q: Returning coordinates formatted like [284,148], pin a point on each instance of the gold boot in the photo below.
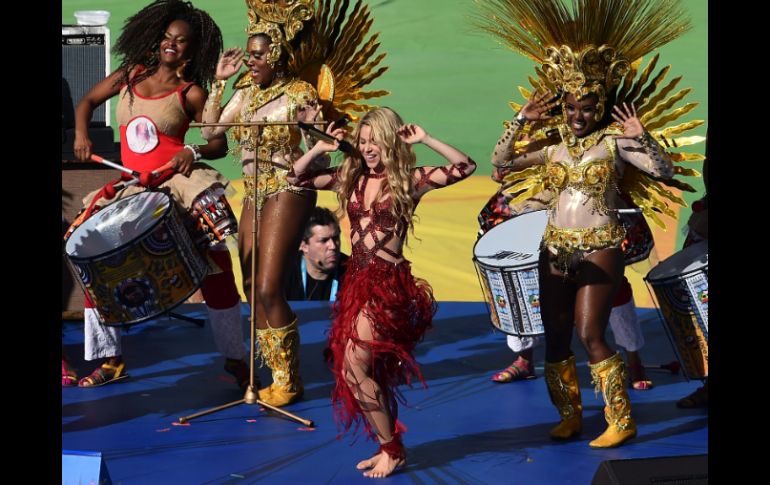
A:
[279,348]
[609,375]
[561,379]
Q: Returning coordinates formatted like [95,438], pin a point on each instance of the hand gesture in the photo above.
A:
[411,134]
[337,133]
[82,147]
[308,113]
[230,62]
[632,127]
[498,174]
[182,161]
[538,106]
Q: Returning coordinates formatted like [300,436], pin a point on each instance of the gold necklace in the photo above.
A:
[578,146]
[260,97]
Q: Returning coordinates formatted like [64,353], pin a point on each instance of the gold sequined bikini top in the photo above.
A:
[592,178]
[273,138]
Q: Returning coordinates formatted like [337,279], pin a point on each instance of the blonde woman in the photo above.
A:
[382,310]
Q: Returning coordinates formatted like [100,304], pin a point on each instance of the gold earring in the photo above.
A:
[180,70]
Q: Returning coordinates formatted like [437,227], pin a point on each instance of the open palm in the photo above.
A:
[632,127]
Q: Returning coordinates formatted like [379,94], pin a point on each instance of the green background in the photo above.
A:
[444,75]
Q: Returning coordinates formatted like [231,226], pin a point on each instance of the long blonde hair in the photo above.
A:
[397,157]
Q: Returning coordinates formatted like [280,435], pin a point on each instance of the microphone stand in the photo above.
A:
[251,395]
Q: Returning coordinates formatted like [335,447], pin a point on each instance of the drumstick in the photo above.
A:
[127,183]
[137,175]
[97,158]
[147,177]
[628,211]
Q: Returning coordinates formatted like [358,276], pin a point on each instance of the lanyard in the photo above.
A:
[335,283]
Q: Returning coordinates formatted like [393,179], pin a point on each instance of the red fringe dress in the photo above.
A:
[400,306]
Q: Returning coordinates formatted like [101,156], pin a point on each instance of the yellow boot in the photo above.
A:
[279,348]
[609,375]
[561,379]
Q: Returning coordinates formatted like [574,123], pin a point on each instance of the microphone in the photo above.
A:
[344,145]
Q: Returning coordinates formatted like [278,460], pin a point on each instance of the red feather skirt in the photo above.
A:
[401,308]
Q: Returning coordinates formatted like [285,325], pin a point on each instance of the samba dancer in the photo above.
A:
[584,55]
[284,40]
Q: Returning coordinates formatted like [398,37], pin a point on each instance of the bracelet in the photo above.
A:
[217,89]
[196,151]
[521,119]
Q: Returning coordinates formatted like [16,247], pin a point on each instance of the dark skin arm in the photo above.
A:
[195,99]
[100,93]
[536,109]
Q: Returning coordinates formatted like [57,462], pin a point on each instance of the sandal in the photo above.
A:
[69,377]
[104,374]
[639,380]
[239,370]
[698,399]
[520,369]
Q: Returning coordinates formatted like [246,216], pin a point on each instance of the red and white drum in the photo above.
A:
[681,287]
[135,259]
[506,261]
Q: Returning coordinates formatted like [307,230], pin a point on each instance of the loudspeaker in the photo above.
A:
[79,467]
[85,61]
[668,470]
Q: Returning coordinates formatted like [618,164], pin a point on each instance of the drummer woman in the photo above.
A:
[168,53]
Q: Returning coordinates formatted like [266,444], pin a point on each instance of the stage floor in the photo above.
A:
[463,429]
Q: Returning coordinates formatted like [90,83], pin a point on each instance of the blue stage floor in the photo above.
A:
[463,429]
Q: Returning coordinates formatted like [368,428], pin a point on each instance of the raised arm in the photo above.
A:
[302,173]
[228,65]
[428,178]
[216,146]
[308,112]
[637,147]
[101,92]
[536,108]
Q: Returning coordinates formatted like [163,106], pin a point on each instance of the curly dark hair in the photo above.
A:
[142,33]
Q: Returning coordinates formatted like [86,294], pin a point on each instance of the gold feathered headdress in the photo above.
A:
[597,46]
[333,52]
[589,46]
[280,20]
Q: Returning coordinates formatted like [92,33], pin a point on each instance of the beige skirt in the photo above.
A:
[184,190]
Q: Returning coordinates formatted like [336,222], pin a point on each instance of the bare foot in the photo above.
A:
[371,462]
[386,465]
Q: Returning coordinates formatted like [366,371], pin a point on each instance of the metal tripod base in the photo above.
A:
[250,397]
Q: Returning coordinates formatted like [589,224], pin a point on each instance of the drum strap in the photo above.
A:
[108,192]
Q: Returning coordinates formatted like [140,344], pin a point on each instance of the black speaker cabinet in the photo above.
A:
[668,470]
[84,62]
